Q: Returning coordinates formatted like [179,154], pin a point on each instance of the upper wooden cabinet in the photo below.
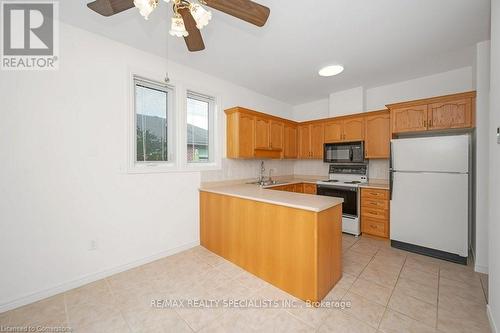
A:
[454,114]
[411,119]
[354,129]
[276,139]
[317,141]
[333,131]
[438,113]
[262,133]
[350,129]
[311,140]
[290,144]
[378,135]
[252,135]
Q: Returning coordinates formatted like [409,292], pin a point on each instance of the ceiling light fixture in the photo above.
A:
[199,13]
[331,70]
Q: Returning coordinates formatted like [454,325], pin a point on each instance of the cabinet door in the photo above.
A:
[333,131]
[354,129]
[317,141]
[298,188]
[377,136]
[304,142]
[411,119]
[456,114]
[290,149]
[246,137]
[309,188]
[262,133]
[276,135]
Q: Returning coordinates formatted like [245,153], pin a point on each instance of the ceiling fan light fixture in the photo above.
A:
[331,70]
[200,15]
[146,7]
[178,29]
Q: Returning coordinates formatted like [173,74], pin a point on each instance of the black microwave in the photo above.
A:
[344,153]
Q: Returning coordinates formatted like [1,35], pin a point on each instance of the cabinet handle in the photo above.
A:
[430,123]
[425,123]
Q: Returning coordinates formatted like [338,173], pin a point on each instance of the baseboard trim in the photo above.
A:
[493,326]
[42,294]
[481,269]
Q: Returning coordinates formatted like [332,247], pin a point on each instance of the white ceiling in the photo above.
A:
[378,42]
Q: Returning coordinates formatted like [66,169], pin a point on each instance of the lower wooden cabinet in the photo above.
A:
[375,212]
[307,188]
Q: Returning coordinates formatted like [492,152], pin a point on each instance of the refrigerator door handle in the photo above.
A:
[391,172]
[391,184]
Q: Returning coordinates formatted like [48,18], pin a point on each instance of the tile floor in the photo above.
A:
[389,290]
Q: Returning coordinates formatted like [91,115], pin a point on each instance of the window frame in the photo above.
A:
[135,166]
[214,139]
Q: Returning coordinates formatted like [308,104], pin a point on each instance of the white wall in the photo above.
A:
[358,100]
[455,81]
[313,110]
[482,81]
[494,218]
[63,139]
[346,102]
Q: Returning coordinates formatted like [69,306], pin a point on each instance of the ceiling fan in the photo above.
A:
[189,15]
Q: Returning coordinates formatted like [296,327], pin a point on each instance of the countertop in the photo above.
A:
[377,184]
[315,203]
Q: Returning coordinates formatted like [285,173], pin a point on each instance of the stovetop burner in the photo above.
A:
[332,181]
[353,182]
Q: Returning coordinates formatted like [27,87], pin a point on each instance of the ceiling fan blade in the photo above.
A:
[110,7]
[245,10]
[194,41]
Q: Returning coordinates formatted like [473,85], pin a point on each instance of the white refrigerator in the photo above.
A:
[430,196]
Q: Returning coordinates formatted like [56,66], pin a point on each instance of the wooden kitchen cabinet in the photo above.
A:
[252,135]
[262,133]
[354,129]
[310,188]
[240,135]
[442,113]
[348,130]
[409,119]
[333,131]
[290,141]
[256,135]
[276,138]
[378,135]
[453,114]
[375,212]
[317,141]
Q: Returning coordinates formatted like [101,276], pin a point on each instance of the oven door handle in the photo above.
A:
[351,154]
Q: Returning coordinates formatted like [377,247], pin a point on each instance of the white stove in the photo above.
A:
[343,182]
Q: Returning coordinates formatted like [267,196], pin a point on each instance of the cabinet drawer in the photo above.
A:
[374,193]
[375,203]
[380,214]
[374,227]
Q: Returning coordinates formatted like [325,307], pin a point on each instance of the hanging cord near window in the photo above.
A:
[167,78]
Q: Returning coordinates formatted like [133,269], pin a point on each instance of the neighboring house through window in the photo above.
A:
[199,128]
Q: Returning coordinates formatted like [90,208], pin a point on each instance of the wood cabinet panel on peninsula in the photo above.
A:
[296,250]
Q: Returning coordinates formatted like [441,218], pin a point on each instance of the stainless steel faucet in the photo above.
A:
[262,170]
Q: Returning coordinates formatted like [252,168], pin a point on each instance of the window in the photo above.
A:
[153,137]
[200,120]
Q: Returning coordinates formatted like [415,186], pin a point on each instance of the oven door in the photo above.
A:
[349,194]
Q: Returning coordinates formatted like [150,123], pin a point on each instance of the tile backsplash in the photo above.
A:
[247,169]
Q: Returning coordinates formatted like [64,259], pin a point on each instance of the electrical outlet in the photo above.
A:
[93,245]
